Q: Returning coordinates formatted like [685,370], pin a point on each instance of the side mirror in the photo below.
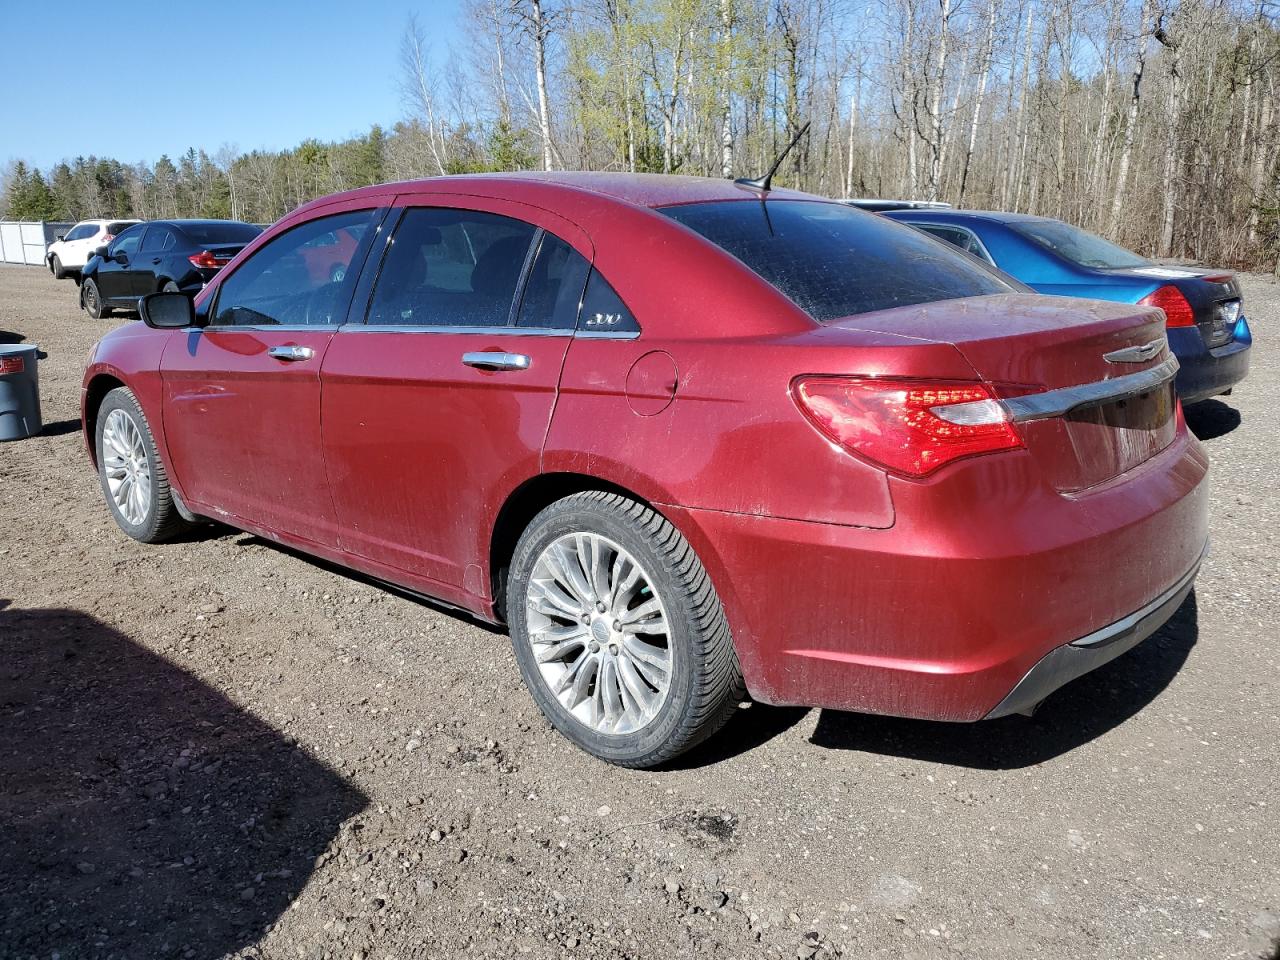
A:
[100,251]
[59,236]
[167,311]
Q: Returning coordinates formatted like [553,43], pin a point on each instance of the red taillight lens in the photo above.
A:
[1177,312]
[12,365]
[108,237]
[206,260]
[912,427]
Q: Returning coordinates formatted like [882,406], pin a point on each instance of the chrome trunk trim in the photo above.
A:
[1056,403]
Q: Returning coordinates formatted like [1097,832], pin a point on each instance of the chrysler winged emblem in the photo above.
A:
[1138,353]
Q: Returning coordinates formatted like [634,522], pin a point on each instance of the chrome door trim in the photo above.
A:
[1055,403]
[269,328]
[496,360]
[606,335]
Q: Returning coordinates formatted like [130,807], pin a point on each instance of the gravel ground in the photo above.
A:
[216,747]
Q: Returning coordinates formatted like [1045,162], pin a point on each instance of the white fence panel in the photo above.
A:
[25,241]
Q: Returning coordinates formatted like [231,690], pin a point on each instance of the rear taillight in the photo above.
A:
[108,237]
[911,427]
[12,365]
[1177,311]
[206,260]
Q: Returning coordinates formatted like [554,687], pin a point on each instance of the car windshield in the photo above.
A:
[229,232]
[834,261]
[1078,246]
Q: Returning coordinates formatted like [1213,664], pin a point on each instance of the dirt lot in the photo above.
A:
[215,747]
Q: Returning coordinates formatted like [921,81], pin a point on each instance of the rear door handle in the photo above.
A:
[291,353]
[497,361]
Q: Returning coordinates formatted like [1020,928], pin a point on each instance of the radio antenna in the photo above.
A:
[765,183]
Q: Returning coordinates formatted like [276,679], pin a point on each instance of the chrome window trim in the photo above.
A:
[1056,403]
[428,328]
[605,335]
[270,327]
[924,225]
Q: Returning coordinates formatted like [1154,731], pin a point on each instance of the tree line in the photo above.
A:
[1153,122]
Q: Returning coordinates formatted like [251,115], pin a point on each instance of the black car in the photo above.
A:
[159,255]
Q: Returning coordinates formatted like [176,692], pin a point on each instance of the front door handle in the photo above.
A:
[291,353]
[497,361]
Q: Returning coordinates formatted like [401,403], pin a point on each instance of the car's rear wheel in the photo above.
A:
[55,264]
[618,631]
[133,479]
[91,300]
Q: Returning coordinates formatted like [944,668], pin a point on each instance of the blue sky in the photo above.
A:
[138,78]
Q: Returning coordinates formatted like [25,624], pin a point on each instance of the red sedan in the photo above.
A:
[689,440]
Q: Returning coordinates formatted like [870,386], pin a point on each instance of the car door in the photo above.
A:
[115,273]
[242,394]
[437,405]
[144,271]
[77,245]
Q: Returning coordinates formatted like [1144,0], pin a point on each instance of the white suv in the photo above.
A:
[72,250]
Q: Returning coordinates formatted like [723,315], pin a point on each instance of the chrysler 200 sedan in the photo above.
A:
[687,439]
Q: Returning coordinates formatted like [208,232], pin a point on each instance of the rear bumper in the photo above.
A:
[1063,664]
[1206,373]
[985,573]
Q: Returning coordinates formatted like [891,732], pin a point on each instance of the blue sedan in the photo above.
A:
[1204,312]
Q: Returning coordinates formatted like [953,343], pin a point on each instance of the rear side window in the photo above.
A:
[157,240]
[603,310]
[451,268]
[554,288]
[280,284]
[835,261]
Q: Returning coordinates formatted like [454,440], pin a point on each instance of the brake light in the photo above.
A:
[911,427]
[108,237]
[206,260]
[12,365]
[1177,311]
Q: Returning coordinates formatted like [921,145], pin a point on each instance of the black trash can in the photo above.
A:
[19,390]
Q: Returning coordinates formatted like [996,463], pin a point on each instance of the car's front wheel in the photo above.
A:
[55,264]
[618,631]
[91,299]
[134,481]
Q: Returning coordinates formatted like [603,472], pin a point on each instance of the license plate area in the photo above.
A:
[1112,438]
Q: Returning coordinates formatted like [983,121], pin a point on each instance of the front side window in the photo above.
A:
[554,288]
[277,286]
[451,268]
[81,231]
[127,242]
[1078,246]
[834,261]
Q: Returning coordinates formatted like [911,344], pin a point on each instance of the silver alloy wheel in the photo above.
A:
[599,633]
[127,467]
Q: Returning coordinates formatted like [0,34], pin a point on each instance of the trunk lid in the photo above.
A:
[1089,381]
[1214,296]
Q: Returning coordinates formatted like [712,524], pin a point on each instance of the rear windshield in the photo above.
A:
[205,233]
[116,226]
[1078,246]
[834,261]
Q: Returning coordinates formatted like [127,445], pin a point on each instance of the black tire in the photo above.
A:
[91,300]
[170,287]
[706,679]
[162,521]
[59,272]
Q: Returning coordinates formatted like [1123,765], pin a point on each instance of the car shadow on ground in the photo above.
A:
[60,428]
[1078,713]
[7,336]
[146,815]
[1210,419]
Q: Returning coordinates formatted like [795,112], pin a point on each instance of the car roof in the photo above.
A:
[197,221]
[637,189]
